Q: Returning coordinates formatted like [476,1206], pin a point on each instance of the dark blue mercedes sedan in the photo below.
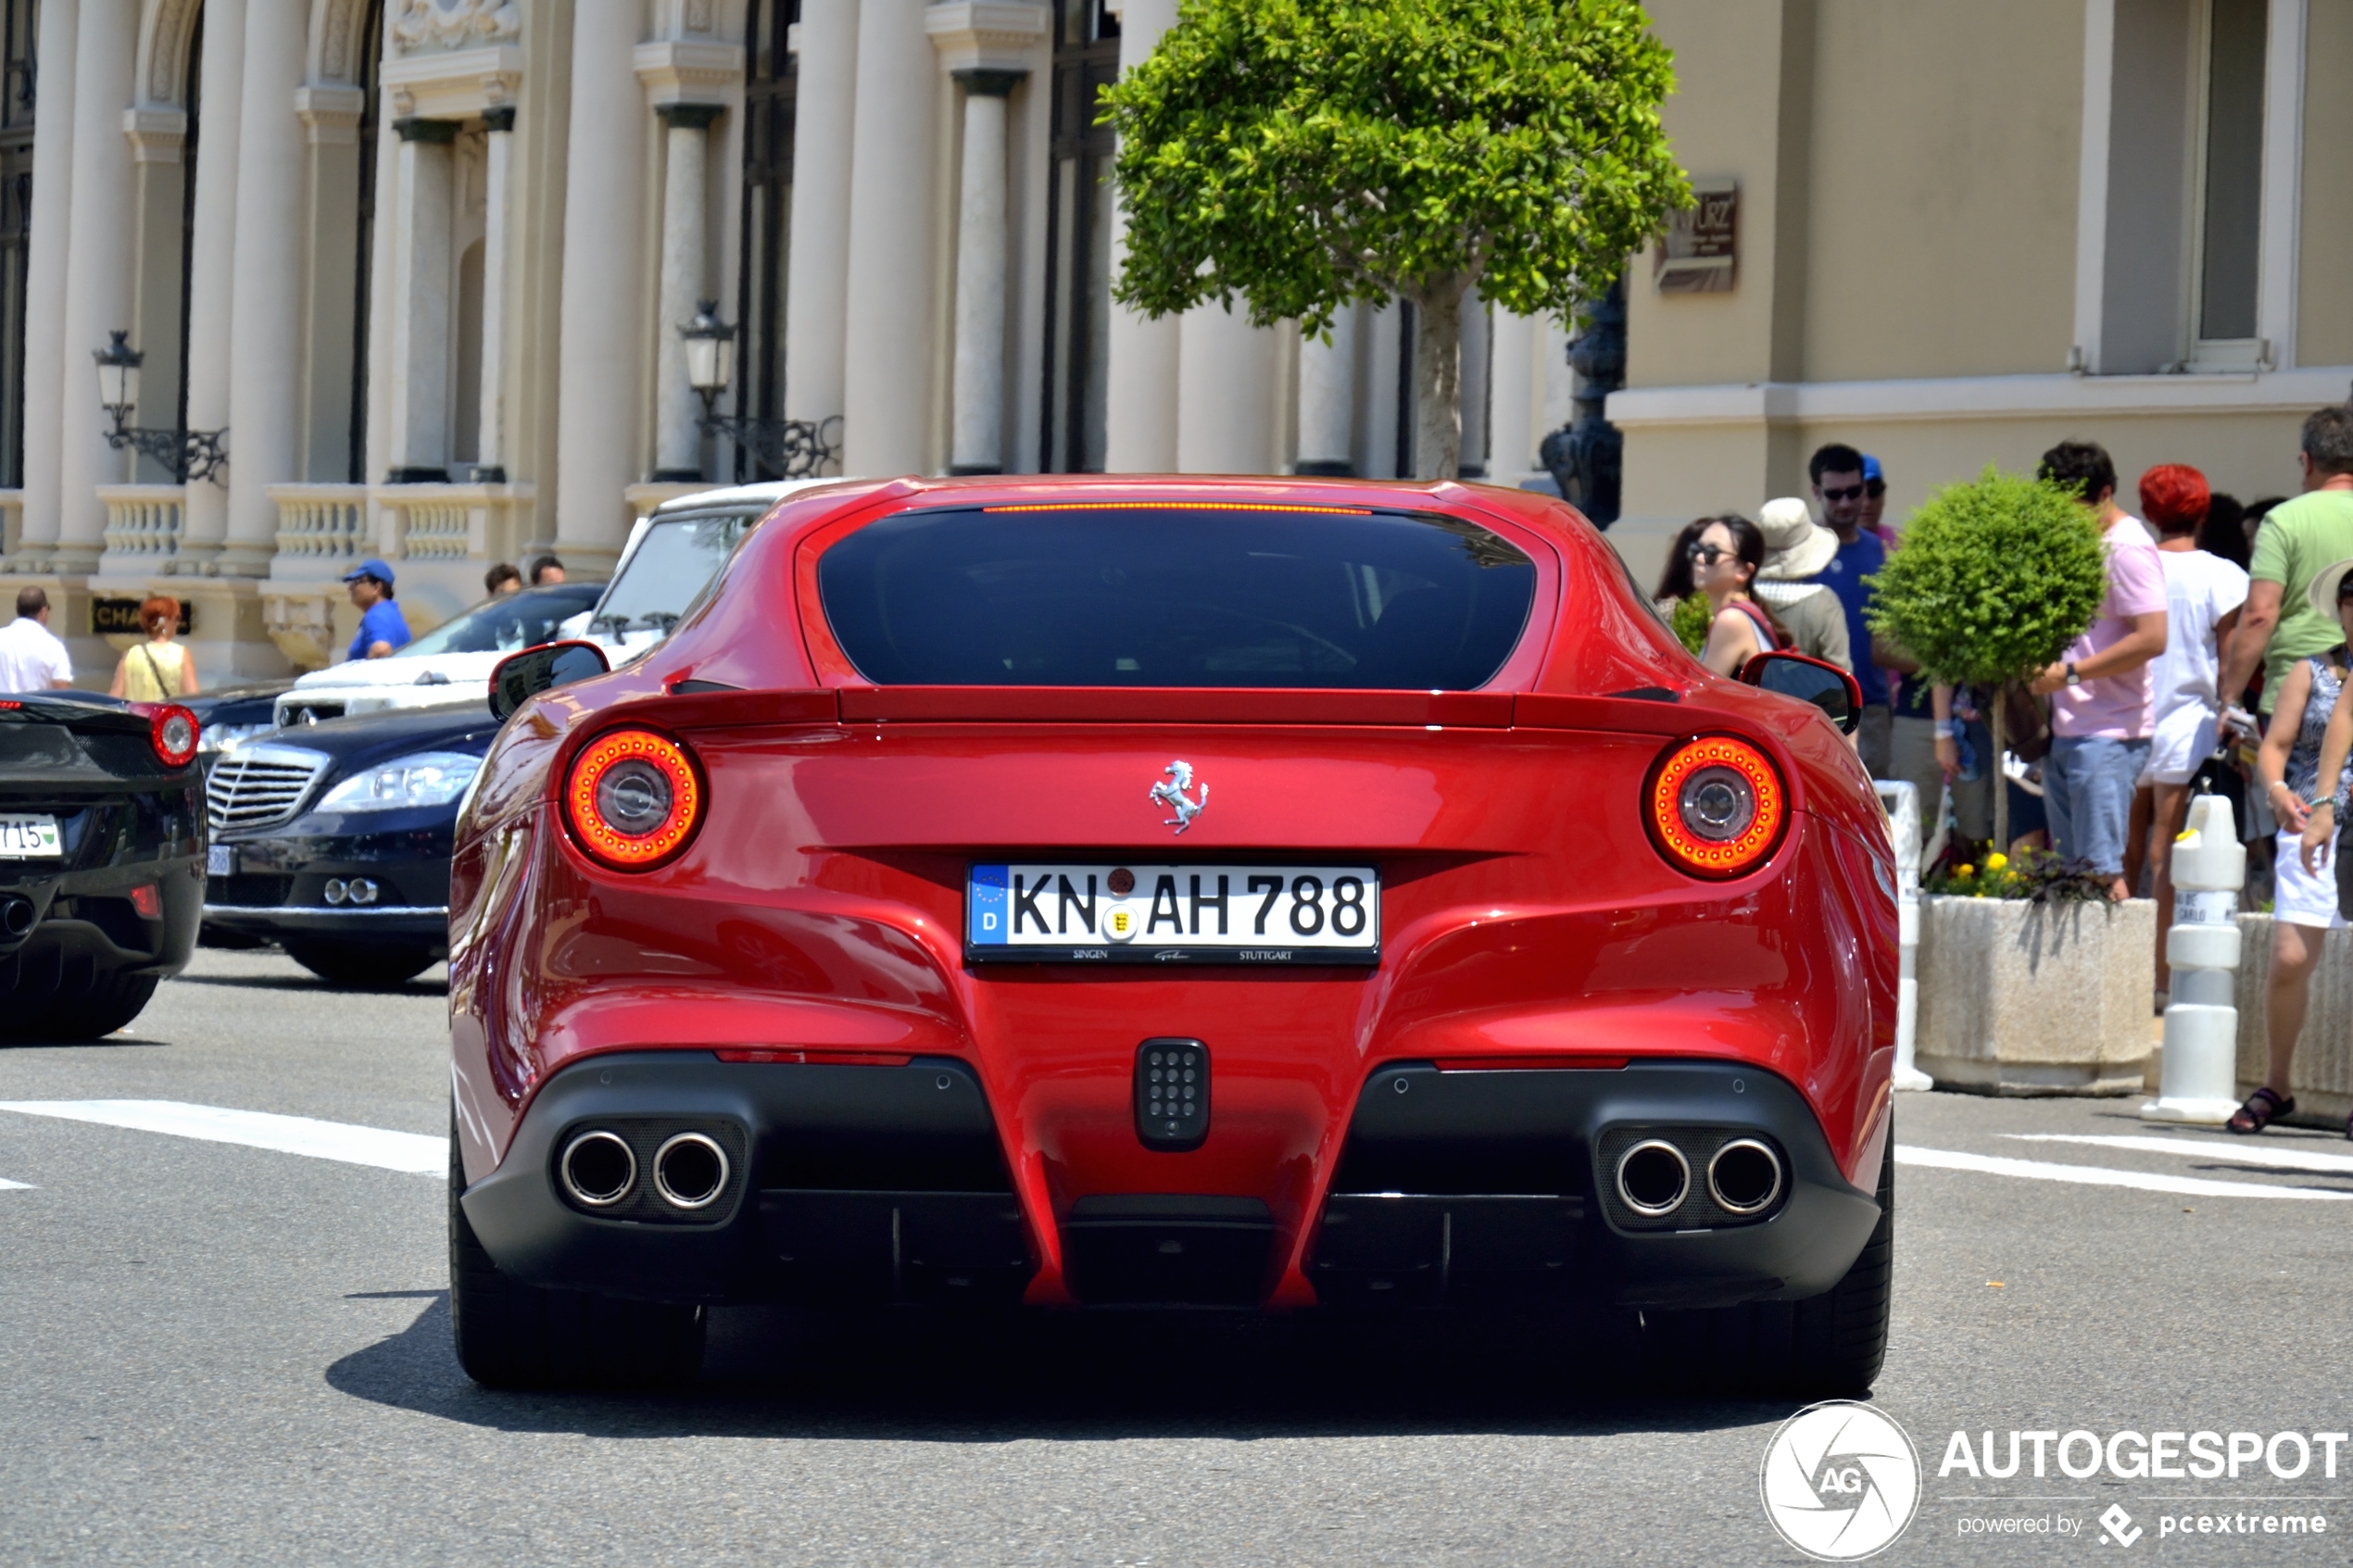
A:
[333,839]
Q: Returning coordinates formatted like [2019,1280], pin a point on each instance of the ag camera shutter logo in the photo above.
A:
[1840,1481]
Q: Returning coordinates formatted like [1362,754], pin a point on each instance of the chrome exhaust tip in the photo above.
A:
[1653,1178]
[16,917]
[598,1168]
[690,1171]
[1744,1177]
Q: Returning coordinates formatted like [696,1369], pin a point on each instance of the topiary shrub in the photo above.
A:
[1693,615]
[1995,578]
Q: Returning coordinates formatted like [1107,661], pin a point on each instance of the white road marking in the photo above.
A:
[255,1129]
[7,1186]
[2102,1177]
[2285,1156]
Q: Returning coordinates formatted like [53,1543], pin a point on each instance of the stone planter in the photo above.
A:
[2321,1080]
[2017,999]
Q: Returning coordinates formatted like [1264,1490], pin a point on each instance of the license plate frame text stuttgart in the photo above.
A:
[1064,911]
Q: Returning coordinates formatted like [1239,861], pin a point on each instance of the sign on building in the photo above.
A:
[1701,251]
[122,615]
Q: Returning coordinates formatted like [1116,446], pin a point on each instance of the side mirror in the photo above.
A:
[1808,680]
[522,676]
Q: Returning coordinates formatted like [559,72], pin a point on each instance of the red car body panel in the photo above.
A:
[1527,917]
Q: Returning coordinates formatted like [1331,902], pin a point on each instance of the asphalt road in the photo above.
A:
[219,1353]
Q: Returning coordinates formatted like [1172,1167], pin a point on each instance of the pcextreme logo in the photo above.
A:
[1840,1481]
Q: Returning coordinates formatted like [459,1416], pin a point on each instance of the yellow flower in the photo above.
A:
[1965,870]
[1996,861]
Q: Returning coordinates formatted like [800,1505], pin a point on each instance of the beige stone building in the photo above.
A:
[1965,232]
[420,267]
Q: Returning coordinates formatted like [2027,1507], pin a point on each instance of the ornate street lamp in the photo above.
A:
[188,454]
[790,448]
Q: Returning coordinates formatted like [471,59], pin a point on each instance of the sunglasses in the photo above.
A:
[1853,492]
[1707,555]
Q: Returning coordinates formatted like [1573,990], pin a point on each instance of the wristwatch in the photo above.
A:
[2072,678]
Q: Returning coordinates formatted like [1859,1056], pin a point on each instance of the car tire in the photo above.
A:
[361,968]
[1826,1347]
[515,1335]
[113,1001]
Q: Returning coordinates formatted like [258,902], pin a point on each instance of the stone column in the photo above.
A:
[1471,397]
[817,302]
[50,371]
[1141,418]
[886,388]
[490,445]
[265,380]
[97,293]
[677,438]
[1225,420]
[1327,399]
[1511,402]
[212,270]
[421,275]
[979,444]
[599,431]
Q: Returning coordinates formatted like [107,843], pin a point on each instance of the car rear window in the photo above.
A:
[1166,595]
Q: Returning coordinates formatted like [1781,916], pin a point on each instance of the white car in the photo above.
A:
[672,556]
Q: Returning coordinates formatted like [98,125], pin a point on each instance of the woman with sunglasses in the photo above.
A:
[1724,555]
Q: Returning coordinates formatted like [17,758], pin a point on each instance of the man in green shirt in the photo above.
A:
[2298,538]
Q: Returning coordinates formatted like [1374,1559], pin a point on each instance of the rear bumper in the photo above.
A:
[86,926]
[887,1183]
[280,885]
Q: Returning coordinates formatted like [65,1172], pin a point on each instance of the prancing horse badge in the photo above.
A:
[1170,792]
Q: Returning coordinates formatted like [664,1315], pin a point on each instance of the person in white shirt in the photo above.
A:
[2203,593]
[32,660]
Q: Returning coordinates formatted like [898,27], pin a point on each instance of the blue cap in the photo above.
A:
[370,568]
[1870,469]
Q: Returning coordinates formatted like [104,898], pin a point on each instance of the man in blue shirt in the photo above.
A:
[381,626]
[1837,473]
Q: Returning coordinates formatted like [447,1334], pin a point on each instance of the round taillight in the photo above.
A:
[174,732]
[633,798]
[1715,806]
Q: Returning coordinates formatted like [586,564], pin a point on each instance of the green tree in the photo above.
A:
[1994,579]
[1304,154]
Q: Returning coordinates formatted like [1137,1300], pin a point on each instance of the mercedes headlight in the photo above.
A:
[427,778]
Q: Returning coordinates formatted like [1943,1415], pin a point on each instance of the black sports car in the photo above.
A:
[102,860]
[333,839]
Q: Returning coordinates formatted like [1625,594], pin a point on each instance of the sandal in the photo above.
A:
[2261,1109]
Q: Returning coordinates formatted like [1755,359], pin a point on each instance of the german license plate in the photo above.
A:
[1133,914]
[221,859]
[28,838]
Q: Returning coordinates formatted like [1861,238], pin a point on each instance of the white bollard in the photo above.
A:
[1902,804]
[2198,1083]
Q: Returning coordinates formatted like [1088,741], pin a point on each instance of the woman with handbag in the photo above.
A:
[158,670]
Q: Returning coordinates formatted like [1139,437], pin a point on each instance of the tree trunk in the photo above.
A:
[2001,781]
[1438,378]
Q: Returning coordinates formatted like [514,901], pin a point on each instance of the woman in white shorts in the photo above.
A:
[2288,771]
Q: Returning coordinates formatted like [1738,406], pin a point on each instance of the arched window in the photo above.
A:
[371,54]
[769,88]
[17,53]
[1078,224]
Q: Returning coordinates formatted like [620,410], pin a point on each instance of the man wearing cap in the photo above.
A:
[1796,548]
[381,627]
